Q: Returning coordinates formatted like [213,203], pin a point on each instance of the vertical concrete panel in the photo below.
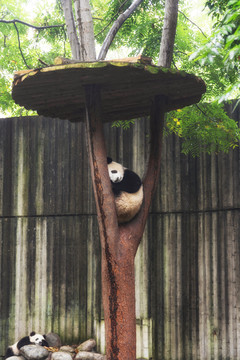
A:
[40,314]
[21,305]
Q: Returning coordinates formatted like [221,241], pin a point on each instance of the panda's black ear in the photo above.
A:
[44,336]
[32,333]
[109,160]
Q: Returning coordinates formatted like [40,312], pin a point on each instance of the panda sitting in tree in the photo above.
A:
[127,189]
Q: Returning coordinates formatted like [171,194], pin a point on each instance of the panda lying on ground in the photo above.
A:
[128,191]
[33,338]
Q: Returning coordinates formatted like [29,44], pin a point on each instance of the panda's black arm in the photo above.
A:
[24,341]
[130,183]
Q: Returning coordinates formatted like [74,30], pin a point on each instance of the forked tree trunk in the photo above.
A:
[119,243]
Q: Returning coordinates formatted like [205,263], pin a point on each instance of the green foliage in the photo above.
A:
[124,124]
[203,128]
[223,47]
[141,33]
[217,8]
[21,46]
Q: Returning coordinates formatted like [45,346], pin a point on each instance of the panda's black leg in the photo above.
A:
[9,353]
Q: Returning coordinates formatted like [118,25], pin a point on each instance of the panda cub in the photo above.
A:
[33,338]
[127,189]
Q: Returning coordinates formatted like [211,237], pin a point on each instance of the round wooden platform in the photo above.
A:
[127,89]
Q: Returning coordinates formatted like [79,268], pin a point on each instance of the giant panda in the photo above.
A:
[33,338]
[127,189]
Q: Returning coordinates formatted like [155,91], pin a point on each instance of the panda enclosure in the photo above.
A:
[187,266]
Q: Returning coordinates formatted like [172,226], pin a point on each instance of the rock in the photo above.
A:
[17,357]
[53,340]
[67,348]
[61,355]
[85,355]
[49,356]
[35,352]
[87,345]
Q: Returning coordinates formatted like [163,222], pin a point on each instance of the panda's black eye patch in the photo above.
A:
[114,171]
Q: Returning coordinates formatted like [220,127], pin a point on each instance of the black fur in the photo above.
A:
[24,341]
[130,183]
[9,353]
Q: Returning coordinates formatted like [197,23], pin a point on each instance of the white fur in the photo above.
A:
[36,339]
[115,171]
[15,348]
[128,205]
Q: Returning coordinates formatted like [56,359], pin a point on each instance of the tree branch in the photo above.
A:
[192,23]
[19,46]
[113,17]
[150,181]
[116,26]
[14,21]
[104,198]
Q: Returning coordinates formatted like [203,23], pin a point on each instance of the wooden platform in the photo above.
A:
[127,88]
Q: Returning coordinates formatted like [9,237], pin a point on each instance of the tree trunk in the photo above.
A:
[168,33]
[117,262]
[118,284]
[119,243]
[71,28]
[85,28]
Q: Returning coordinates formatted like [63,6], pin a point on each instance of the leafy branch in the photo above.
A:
[203,129]
[39,28]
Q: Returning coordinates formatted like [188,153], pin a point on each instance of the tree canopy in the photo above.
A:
[33,38]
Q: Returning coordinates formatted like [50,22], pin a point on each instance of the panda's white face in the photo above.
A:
[37,339]
[115,171]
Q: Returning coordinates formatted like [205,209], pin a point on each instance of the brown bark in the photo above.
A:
[119,244]
[85,30]
[71,28]
[168,33]
[137,225]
